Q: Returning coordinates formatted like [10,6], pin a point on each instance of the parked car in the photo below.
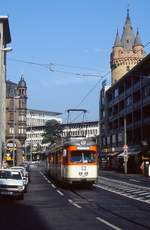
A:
[26,165]
[11,183]
[24,172]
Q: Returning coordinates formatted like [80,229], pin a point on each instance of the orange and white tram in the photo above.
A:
[74,161]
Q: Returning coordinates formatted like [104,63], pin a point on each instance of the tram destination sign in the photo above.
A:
[83,147]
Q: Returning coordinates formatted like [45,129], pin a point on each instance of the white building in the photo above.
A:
[87,129]
[36,120]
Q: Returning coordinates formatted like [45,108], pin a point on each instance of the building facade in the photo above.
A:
[127,120]
[127,51]
[36,120]
[5,38]
[129,99]
[125,105]
[16,109]
[86,129]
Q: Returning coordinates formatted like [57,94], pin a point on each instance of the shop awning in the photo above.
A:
[130,153]
[112,154]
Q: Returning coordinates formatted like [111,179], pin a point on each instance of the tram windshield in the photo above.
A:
[83,157]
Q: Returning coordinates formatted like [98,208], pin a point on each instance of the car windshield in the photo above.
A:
[10,175]
[84,157]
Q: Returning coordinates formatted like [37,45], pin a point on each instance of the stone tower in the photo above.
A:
[127,51]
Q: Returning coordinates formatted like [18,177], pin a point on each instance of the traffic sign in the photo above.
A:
[125,147]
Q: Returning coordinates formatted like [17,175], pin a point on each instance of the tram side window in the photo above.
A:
[65,156]
[64,159]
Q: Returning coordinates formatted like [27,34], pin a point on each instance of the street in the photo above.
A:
[47,205]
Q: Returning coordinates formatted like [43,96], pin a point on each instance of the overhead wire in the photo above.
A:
[89,92]
[51,66]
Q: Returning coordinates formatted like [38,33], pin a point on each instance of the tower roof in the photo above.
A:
[128,37]
[137,41]
[117,42]
[22,83]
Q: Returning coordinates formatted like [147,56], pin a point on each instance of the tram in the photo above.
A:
[74,161]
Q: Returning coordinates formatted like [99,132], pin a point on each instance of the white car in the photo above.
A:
[11,183]
[26,174]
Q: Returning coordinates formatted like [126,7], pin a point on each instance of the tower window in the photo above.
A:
[128,68]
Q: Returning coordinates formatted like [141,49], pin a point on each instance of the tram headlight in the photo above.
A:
[80,173]
[86,173]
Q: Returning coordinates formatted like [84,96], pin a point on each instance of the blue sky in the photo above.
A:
[73,38]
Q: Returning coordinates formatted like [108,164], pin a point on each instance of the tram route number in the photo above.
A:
[83,168]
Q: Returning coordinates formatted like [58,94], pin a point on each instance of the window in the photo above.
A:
[21,130]
[11,104]
[114,138]
[116,93]
[85,157]
[108,140]
[127,68]
[22,104]
[11,130]
[147,91]
[11,116]
[128,101]
[22,117]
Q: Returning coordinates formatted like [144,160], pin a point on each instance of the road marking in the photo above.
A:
[60,192]
[108,223]
[53,185]
[73,203]
[131,196]
[134,180]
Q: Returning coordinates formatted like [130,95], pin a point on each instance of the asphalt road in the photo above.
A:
[47,206]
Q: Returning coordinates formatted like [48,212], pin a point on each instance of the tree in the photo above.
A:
[52,132]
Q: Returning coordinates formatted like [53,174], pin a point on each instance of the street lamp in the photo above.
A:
[7,49]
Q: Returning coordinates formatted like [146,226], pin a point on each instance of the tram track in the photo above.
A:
[100,210]
[96,208]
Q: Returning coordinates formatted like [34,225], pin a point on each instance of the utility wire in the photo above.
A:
[89,92]
[51,67]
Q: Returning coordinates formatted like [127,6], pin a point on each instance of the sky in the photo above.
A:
[62,48]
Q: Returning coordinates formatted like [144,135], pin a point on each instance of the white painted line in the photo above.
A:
[134,180]
[144,193]
[147,196]
[108,223]
[73,203]
[53,185]
[60,192]
[122,194]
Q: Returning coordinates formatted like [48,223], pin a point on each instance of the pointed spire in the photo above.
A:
[128,36]
[137,41]
[128,20]
[117,42]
